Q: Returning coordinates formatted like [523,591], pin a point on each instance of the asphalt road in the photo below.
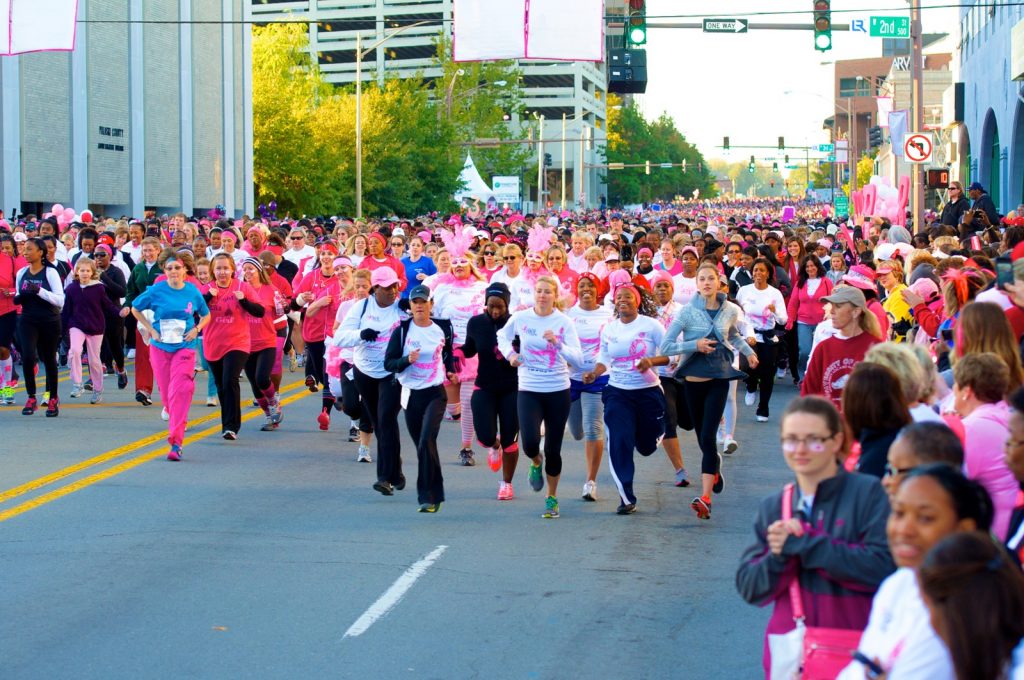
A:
[271,557]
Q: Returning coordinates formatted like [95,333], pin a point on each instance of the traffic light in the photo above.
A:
[750,168]
[775,166]
[875,136]
[822,25]
[782,143]
[772,183]
[636,27]
[787,159]
[725,143]
[547,160]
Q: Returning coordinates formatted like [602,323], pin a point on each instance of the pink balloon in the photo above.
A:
[57,209]
[69,214]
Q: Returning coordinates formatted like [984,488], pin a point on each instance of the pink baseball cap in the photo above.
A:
[383,276]
[861,277]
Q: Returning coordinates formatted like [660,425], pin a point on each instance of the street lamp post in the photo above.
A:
[360,53]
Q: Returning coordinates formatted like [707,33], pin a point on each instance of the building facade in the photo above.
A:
[151,111]
[991,35]
[576,90]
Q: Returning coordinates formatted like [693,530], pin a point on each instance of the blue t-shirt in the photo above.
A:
[424,265]
[173,313]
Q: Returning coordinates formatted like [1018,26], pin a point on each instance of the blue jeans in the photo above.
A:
[805,338]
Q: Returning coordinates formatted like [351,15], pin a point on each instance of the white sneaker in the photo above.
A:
[211,401]
[762,419]
[781,373]
[131,354]
[364,455]
[77,392]
[164,415]
[749,398]
[730,445]
[590,491]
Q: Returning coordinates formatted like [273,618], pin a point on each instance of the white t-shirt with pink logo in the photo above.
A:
[458,303]
[625,344]
[428,369]
[588,328]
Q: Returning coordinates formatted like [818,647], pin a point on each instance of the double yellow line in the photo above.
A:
[124,466]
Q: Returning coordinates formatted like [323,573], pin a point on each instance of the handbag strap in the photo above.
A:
[795,596]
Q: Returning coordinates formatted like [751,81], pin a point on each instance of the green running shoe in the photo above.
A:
[551,508]
[536,478]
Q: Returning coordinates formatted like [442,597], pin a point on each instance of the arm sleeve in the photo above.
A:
[469,346]
[780,307]
[113,279]
[448,351]
[738,340]
[505,337]
[253,308]
[811,383]
[571,350]
[793,308]
[132,287]
[55,296]
[347,334]
[669,346]
[393,359]
[928,320]
[760,576]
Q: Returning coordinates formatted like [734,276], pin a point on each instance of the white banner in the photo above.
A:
[37,26]
[568,30]
[506,189]
[488,29]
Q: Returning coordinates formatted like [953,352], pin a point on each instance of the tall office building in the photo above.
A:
[550,89]
[149,112]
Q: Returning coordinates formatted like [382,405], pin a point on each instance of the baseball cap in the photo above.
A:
[383,276]
[975,186]
[419,292]
[848,295]
[861,277]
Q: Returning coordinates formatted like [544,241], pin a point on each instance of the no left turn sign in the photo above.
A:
[917,147]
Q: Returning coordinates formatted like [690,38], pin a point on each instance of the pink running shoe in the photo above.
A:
[494,458]
[505,492]
[175,453]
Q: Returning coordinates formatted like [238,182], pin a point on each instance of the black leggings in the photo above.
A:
[38,340]
[225,373]
[490,408]
[423,419]
[257,370]
[551,409]
[382,400]
[351,404]
[112,352]
[764,374]
[706,401]
[316,366]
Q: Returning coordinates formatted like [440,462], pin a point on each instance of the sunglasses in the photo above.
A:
[397,244]
[510,258]
[297,238]
[953,188]
[488,253]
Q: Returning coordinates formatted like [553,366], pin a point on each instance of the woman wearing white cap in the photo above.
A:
[368,328]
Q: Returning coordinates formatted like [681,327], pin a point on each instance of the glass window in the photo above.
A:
[852,87]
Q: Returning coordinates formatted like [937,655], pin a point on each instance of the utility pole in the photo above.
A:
[564,161]
[540,165]
[916,109]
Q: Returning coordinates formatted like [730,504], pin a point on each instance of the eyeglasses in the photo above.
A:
[397,244]
[172,267]
[814,443]
[510,258]
[891,471]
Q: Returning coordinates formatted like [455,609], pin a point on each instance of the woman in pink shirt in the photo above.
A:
[263,348]
[980,382]
[376,243]
[806,308]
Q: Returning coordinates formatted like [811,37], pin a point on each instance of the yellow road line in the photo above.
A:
[123,467]
[64,375]
[120,451]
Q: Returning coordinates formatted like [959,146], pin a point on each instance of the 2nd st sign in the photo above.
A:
[889,27]
[725,25]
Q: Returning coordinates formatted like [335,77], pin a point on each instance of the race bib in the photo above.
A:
[172,331]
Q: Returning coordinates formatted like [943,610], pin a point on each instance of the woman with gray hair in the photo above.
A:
[914,381]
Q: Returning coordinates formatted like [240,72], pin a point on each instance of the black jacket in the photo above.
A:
[395,359]
[494,374]
[953,213]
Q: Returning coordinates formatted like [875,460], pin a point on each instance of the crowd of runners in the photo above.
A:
[619,329]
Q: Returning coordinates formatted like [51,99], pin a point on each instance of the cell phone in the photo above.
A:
[1004,271]
[874,670]
[947,334]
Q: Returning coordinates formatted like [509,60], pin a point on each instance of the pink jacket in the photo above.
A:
[986,431]
[808,309]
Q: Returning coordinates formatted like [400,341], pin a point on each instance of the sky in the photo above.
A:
[759,85]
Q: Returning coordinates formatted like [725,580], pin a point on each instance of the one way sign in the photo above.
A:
[725,25]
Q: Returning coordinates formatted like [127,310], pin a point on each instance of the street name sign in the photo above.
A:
[725,25]
[889,27]
[826,148]
[842,205]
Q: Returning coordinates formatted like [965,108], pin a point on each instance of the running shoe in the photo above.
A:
[164,414]
[702,506]
[276,412]
[292,362]
[590,490]
[364,454]
[211,401]
[76,392]
[131,354]
[429,507]
[730,445]
[719,479]
[536,478]
[229,435]
[143,398]
[384,488]
[87,385]
[682,479]
[122,380]
[31,405]
[7,395]
[97,398]
[749,398]
[494,458]
[626,509]
[761,419]
[452,417]
[781,372]
[550,508]
[400,486]
[466,458]
[300,360]
[52,407]
[324,420]
[311,384]
[505,492]
[175,453]
[353,434]
[268,424]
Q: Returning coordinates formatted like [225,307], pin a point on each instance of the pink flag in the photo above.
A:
[844,233]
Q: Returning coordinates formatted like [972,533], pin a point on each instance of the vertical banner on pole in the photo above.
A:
[550,30]
[37,26]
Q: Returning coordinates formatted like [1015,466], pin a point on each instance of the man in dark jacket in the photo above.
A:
[983,213]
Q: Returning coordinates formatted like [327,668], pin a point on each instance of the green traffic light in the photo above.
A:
[637,36]
[823,42]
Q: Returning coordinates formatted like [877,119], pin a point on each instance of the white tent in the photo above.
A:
[473,184]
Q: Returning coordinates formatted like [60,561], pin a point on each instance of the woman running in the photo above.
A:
[497,386]
[319,292]
[86,306]
[586,415]
[459,296]
[143,276]
[676,411]
[634,403]
[420,355]
[264,351]
[556,260]
[10,263]
[174,304]
[765,307]
[227,342]
[548,344]
[360,429]
[368,327]
[710,327]
[41,296]
[377,257]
